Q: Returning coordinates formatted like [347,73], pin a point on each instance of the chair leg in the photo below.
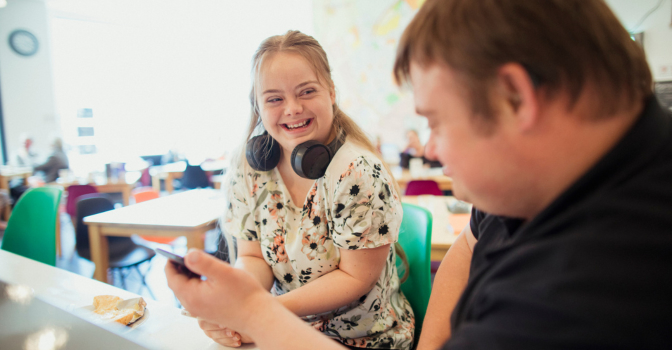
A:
[122,278]
[143,281]
[59,253]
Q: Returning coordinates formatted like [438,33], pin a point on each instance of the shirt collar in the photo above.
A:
[645,139]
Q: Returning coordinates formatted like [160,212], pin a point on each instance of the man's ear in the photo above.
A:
[517,95]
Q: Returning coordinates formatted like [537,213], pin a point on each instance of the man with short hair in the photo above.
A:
[542,113]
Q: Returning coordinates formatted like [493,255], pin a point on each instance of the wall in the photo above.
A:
[26,83]
[160,74]
[157,73]
[657,28]
[360,38]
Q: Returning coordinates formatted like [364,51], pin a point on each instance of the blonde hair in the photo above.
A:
[307,47]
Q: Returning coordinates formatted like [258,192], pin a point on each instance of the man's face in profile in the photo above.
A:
[473,159]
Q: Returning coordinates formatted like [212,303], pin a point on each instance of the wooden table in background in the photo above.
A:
[190,214]
[168,173]
[445,225]
[404,177]
[171,171]
[9,173]
[217,181]
[109,187]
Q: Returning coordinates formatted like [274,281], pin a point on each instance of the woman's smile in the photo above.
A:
[297,126]
[295,105]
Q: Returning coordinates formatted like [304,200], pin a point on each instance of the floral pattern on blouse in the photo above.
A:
[352,207]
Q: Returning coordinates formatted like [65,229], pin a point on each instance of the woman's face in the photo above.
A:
[294,106]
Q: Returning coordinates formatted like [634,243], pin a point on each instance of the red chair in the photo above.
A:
[143,194]
[74,192]
[420,187]
[145,177]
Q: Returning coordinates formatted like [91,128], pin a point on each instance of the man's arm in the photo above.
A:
[449,283]
[232,297]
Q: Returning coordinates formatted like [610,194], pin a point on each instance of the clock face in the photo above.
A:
[23,42]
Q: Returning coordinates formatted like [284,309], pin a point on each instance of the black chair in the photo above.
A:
[124,253]
[155,160]
[194,177]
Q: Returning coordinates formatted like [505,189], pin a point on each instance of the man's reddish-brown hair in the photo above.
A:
[563,44]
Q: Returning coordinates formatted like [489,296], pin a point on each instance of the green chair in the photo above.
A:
[415,238]
[31,230]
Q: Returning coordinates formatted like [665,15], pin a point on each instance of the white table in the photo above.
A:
[191,214]
[445,225]
[164,328]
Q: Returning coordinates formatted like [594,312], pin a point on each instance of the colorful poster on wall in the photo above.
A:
[360,38]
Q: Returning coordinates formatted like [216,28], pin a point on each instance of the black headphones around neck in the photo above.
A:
[309,159]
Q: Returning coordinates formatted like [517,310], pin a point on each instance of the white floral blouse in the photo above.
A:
[354,206]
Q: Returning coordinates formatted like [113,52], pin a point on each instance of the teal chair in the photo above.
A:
[415,238]
[31,230]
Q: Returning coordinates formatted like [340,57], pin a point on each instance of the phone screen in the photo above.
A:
[178,261]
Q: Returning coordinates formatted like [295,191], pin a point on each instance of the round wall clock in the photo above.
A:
[23,42]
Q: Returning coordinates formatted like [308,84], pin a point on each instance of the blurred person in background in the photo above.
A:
[415,149]
[57,161]
[24,156]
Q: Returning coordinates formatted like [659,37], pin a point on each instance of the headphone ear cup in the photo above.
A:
[262,152]
[311,159]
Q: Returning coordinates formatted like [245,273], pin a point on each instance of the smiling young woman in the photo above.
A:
[325,246]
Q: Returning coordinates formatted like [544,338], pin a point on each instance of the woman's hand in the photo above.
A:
[222,335]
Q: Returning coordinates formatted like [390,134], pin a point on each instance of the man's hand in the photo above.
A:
[227,296]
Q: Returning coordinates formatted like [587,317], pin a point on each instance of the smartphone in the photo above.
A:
[178,261]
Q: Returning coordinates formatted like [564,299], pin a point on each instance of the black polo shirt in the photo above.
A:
[591,271]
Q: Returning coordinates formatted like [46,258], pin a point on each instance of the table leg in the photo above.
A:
[126,194]
[99,252]
[4,183]
[195,239]
[156,182]
[169,183]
